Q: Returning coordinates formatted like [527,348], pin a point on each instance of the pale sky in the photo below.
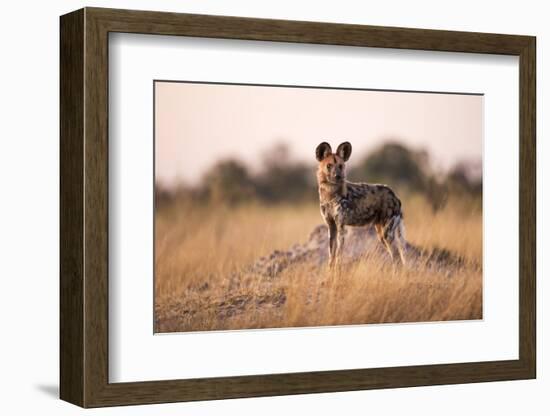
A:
[199,124]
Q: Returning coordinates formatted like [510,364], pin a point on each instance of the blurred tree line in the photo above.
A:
[282,179]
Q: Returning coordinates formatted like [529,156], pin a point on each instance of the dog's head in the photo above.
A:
[332,166]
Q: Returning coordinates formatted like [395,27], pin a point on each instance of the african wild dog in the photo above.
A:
[345,203]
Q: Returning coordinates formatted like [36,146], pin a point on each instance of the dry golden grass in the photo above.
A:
[202,252]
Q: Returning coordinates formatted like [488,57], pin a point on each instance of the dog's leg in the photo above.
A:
[380,234]
[394,237]
[341,234]
[400,240]
[332,241]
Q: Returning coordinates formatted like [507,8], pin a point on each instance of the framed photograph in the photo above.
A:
[254,207]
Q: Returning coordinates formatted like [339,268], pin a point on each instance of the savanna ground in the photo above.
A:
[256,265]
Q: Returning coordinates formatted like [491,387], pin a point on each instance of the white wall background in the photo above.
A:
[29,159]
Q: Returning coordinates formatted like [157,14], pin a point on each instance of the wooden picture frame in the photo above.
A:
[84,207]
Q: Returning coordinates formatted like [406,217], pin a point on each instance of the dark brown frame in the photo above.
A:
[84,207]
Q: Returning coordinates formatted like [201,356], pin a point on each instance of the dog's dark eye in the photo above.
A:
[329,166]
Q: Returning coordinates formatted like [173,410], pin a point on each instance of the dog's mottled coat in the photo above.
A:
[345,203]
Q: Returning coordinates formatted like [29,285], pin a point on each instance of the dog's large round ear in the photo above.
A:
[322,151]
[344,151]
